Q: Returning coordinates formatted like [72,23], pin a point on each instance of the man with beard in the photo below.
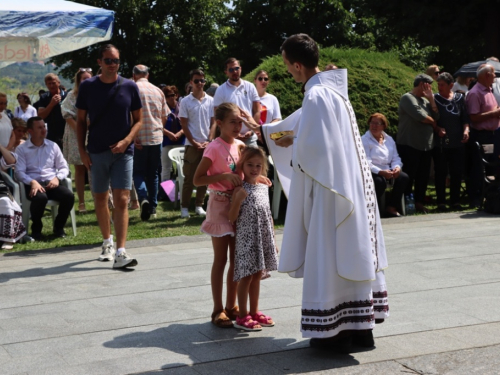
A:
[243,94]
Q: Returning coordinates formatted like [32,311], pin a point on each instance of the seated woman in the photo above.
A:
[11,216]
[384,162]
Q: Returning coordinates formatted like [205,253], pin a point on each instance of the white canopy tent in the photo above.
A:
[32,30]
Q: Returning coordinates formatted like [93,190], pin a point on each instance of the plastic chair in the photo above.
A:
[26,203]
[277,191]
[177,156]
[488,169]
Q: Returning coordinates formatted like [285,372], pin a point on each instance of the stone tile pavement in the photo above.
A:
[63,312]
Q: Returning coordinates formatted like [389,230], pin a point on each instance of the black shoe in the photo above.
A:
[363,338]
[60,233]
[145,210]
[153,212]
[340,345]
[37,236]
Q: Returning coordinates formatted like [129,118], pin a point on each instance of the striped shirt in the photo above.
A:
[154,107]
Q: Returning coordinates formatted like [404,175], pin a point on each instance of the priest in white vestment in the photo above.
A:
[333,236]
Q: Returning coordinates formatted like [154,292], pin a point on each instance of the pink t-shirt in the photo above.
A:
[480,99]
[224,158]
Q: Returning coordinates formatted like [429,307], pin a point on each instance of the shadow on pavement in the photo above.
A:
[230,350]
[48,271]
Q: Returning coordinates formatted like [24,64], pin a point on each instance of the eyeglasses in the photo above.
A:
[196,81]
[108,61]
[169,96]
[437,73]
[263,78]
[376,123]
[85,70]
[235,69]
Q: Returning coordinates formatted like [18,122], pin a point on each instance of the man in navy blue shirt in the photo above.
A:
[114,107]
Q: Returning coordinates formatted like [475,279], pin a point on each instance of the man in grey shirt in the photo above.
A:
[417,123]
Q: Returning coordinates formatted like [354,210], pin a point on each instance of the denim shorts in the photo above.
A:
[108,168]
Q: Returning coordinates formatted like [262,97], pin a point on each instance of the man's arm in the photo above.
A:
[256,108]
[44,112]
[21,168]
[479,117]
[187,132]
[120,147]
[81,134]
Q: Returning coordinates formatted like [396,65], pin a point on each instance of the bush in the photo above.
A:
[376,82]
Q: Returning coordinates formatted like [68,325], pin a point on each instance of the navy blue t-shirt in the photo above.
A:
[113,124]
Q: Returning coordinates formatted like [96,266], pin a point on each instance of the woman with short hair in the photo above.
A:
[25,110]
[449,150]
[385,163]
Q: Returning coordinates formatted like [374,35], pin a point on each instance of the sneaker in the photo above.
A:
[123,260]
[184,213]
[145,210]
[200,211]
[153,212]
[108,252]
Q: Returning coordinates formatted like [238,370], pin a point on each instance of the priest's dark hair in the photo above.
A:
[302,49]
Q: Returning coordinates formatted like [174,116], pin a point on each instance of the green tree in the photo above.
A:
[463,30]
[261,26]
[171,37]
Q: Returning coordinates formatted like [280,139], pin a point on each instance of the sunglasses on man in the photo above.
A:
[196,81]
[109,61]
[235,69]
[263,78]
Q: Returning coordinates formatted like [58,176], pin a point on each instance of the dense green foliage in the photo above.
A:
[171,37]
[376,82]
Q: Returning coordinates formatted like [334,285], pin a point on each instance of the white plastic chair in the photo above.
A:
[26,203]
[277,191]
[177,156]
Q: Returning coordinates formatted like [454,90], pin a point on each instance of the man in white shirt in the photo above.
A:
[196,113]
[41,166]
[243,94]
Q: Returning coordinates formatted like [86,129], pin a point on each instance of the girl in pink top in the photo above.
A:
[217,169]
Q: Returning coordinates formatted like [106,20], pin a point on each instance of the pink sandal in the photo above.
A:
[247,324]
[263,320]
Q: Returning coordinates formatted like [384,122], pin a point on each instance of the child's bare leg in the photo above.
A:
[220,245]
[254,292]
[232,286]
[243,290]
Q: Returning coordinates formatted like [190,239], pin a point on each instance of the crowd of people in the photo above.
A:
[442,127]
[121,130]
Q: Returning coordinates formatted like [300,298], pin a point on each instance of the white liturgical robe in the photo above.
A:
[333,235]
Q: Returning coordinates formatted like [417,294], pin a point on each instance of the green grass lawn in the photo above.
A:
[168,223]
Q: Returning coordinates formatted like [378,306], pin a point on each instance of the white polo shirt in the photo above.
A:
[243,96]
[198,113]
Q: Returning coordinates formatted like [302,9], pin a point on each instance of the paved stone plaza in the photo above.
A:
[63,312]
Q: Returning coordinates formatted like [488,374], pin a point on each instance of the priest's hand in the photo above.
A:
[264,180]
[248,120]
[285,141]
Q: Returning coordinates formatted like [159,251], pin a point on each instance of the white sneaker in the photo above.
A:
[200,211]
[108,252]
[184,213]
[123,260]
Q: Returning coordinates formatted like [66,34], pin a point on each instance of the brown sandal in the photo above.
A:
[221,321]
[233,313]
